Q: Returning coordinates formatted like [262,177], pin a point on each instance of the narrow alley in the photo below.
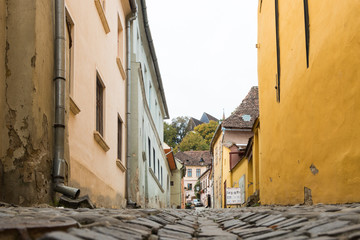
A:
[265,222]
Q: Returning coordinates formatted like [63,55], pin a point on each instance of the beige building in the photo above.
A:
[176,185]
[196,163]
[69,123]
[206,192]
[96,76]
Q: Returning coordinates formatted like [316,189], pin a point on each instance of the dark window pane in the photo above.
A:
[99,106]
[119,139]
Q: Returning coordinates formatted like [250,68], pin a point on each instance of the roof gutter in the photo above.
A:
[236,129]
[154,58]
[59,163]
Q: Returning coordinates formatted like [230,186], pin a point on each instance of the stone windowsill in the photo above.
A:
[120,165]
[101,141]
[74,107]
[121,68]
[156,180]
[102,16]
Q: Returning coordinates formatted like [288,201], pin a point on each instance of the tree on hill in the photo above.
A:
[170,135]
[207,130]
[175,131]
[193,141]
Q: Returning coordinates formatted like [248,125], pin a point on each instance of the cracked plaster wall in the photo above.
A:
[26,100]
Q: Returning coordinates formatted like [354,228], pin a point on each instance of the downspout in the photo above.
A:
[59,163]
[131,18]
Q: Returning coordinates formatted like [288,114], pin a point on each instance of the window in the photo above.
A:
[171,183]
[154,160]
[158,169]
[161,177]
[69,52]
[198,172]
[277,51]
[189,172]
[307,31]
[149,144]
[189,187]
[99,105]
[119,146]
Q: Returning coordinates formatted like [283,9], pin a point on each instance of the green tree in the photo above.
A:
[207,130]
[180,124]
[170,135]
[176,131]
[193,141]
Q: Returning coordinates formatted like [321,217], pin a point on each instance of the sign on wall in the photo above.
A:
[233,196]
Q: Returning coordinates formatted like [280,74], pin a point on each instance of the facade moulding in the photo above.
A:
[148,112]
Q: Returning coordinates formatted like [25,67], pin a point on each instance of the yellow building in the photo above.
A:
[232,135]
[308,69]
[245,173]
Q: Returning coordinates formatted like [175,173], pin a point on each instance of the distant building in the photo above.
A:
[232,135]
[196,163]
[206,188]
[205,118]
[177,173]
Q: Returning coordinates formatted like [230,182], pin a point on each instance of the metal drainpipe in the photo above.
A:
[59,163]
[131,18]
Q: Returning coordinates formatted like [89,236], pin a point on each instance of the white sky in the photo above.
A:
[206,53]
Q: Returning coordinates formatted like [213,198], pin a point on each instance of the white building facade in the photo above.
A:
[148,169]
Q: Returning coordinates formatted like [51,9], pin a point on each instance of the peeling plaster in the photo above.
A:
[313,169]
[33,61]
[307,196]
[25,163]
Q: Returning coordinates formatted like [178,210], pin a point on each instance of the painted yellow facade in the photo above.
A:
[255,158]
[237,172]
[216,150]
[310,138]
[226,174]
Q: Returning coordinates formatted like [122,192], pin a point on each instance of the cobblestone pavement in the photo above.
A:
[266,222]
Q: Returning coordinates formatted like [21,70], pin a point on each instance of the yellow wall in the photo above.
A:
[216,150]
[225,173]
[255,157]
[317,119]
[237,172]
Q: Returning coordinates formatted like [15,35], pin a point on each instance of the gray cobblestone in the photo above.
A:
[265,222]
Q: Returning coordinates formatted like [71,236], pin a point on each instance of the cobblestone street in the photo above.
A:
[266,222]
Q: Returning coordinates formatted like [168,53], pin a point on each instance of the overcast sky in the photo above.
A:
[206,53]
